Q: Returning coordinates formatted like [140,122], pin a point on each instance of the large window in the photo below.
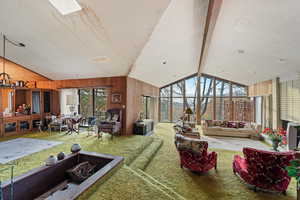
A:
[92,102]
[207,108]
[100,102]
[206,87]
[221,104]
[178,108]
[238,91]
[148,107]
[222,88]
[215,97]
[165,110]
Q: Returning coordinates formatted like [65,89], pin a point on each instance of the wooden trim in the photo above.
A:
[198,111]
[187,77]
[159,108]
[206,75]
[222,79]
[184,96]
[171,102]
[230,103]
[214,99]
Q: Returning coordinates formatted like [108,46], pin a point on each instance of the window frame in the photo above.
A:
[212,94]
[93,99]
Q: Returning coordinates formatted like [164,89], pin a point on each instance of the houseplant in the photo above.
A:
[294,171]
[276,136]
[26,108]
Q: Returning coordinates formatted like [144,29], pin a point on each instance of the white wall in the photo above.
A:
[63,100]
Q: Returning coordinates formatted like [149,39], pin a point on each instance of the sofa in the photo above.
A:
[264,169]
[186,130]
[229,128]
[194,155]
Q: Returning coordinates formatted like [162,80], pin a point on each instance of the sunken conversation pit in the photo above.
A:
[67,179]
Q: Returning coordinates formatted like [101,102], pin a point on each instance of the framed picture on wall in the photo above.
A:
[116,98]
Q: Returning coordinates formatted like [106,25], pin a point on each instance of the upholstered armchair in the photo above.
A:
[194,155]
[264,169]
[112,124]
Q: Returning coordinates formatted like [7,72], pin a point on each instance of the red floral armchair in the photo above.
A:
[263,169]
[193,154]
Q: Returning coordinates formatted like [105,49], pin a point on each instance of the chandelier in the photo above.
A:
[5,79]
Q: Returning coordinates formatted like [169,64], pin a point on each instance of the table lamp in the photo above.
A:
[189,112]
[71,102]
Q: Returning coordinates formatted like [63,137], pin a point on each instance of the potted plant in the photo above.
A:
[276,136]
[26,109]
[294,171]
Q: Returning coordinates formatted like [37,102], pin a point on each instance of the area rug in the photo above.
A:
[20,147]
[234,144]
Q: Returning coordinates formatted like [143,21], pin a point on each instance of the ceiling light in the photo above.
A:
[281,60]
[66,7]
[241,51]
[101,59]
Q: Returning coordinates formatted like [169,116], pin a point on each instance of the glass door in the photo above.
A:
[100,102]
[93,102]
[86,102]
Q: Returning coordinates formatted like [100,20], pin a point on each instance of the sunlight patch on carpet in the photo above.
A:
[234,144]
[21,147]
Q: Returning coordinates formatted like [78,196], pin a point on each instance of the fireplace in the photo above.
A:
[53,182]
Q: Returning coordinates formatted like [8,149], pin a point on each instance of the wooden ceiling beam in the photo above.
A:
[213,11]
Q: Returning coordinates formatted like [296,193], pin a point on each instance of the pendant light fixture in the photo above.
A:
[4,77]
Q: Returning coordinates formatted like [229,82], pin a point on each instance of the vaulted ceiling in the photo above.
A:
[173,49]
[103,39]
[155,41]
[255,40]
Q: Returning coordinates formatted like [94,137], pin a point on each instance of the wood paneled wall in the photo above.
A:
[18,72]
[131,90]
[114,85]
[261,89]
[290,101]
[135,90]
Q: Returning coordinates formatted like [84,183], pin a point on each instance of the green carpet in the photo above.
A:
[220,185]
[151,170]
[128,147]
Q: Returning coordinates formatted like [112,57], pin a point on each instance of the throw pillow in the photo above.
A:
[241,124]
[224,124]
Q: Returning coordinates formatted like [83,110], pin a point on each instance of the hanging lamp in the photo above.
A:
[4,77]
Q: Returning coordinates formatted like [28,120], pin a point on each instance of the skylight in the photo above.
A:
[66,7]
